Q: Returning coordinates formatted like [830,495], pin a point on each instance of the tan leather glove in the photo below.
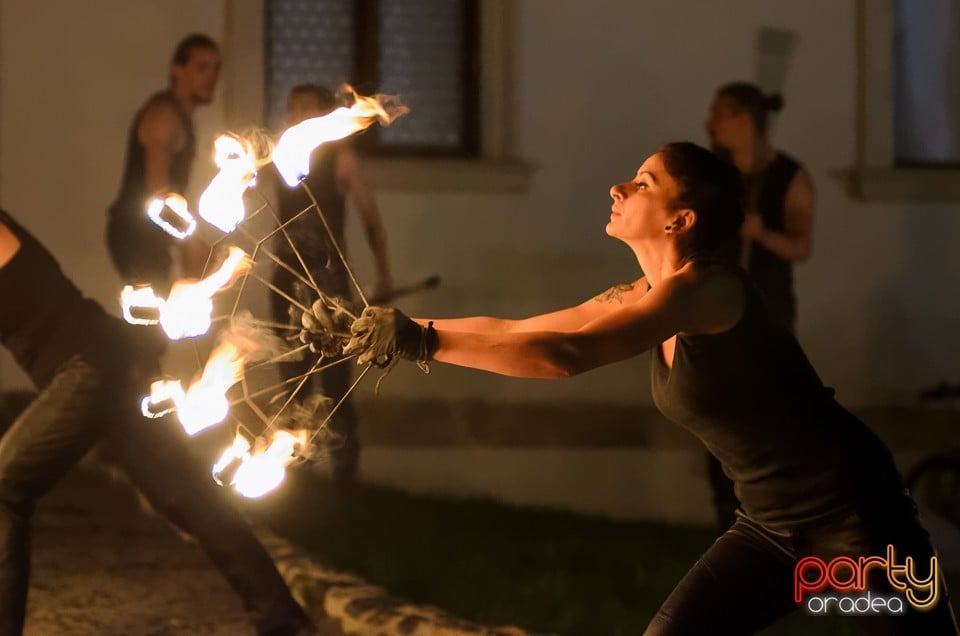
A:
[326,327]
[383,332]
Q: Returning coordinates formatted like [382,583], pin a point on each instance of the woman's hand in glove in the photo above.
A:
[326,327]
[383,332]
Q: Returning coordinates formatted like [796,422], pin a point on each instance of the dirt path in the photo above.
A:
[101,567]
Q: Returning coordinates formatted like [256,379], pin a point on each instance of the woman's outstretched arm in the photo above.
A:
[564,320]
[688,302]
[9,244]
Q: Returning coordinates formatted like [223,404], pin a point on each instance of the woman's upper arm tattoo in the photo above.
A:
[615,293]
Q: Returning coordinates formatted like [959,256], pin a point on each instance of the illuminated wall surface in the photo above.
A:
[599,86]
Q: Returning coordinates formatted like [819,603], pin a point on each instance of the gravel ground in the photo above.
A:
[103,567]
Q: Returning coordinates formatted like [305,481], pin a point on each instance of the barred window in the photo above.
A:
[425,51]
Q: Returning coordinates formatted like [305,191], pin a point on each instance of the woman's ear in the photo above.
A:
[684,220]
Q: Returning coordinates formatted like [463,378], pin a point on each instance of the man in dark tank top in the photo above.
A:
[335,177]
[159,155]
[778,226]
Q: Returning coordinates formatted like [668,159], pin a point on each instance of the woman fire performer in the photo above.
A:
[89,371]
[812,479]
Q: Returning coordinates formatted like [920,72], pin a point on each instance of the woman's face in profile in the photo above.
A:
[641,206]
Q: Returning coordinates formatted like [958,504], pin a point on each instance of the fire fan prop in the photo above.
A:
[255,462]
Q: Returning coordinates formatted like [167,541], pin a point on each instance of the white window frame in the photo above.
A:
[496,170]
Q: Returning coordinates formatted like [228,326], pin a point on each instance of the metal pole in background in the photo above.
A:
[774,48]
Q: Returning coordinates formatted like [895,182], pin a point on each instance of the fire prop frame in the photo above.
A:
[255,462]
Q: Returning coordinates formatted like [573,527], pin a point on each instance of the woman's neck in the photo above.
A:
[658,262]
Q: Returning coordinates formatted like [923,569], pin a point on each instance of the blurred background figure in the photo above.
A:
[160,151]
[778,229]
[778,225]
[335,177]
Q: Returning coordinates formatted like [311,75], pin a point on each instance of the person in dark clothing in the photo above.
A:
[160,152]
[780,199]
[813,480]
[778,227]
[89,372]
[335,177]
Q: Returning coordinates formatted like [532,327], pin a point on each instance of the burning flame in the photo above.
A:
[253,470]
[263,471]
[171,214]
[205,403]
[141,306]
[188,310]
[221,204]
[225,470]
[292,154]
[165,396]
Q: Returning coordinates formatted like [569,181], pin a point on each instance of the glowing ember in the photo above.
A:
[221,204]
[188,310]
[205,403]
[165,396]
[171,214]
[292,154]
[264,471]
[141,306]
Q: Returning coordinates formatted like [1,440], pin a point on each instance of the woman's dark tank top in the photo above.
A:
[772,275]
[45,320]
[753,398]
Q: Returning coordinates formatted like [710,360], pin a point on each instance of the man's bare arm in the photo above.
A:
[161,134]
[352,185]
[795,243]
